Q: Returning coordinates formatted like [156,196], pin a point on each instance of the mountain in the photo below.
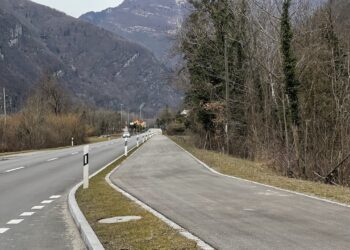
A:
[92,63]
[152,23]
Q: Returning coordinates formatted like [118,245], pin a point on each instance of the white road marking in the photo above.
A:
[27,214]
[38,207]
[53,159]
[14,222]
[55,196]
[14,169]
[273,193]
[75,153]
[249,210]
[3,230]
[261,184]
[46,201]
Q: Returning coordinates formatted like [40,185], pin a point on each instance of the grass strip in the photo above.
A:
[101,201]
[261,173]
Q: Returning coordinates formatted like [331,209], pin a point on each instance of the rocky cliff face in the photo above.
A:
[91,62]
[152,23]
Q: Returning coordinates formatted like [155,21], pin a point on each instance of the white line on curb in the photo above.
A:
[260,184]
[14,222]
[15,169]
[37,207]
[3,230]
[25,214]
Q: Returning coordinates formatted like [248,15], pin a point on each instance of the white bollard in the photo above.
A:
[86,167]
[126,147]
[72,141]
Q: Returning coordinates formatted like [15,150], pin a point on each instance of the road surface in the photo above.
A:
[33,194]
[229,213]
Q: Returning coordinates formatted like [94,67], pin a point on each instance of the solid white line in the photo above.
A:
[27,214]
[55,196]
[38,207]
[14,169]
[14,222]
[3,230]
[46,201]
[261,184]
[53,159]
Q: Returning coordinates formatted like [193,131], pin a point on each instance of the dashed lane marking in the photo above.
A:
[14,222]
[55,196]
[53,159]
[46,201]
[249,210]
[3,230]
[75,153]
[26,214]
[14,169]
[37,207]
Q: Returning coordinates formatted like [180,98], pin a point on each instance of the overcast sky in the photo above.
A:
[77,7]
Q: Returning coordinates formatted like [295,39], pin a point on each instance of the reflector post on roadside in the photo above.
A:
[126,147]
[86,167]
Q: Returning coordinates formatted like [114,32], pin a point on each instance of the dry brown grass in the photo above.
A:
[96,139]
[101,201]
[259,172]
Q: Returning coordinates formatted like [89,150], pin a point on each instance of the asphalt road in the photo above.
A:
[34,188]
[229,213]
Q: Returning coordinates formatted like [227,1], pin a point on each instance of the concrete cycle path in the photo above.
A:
[228,213]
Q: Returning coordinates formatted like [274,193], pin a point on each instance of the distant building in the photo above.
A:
[185,112]
[139,123]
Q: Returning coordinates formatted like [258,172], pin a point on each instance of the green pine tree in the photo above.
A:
[289,63]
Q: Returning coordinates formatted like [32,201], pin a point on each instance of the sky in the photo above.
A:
[78,7]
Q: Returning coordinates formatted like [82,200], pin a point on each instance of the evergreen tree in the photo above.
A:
[289,63]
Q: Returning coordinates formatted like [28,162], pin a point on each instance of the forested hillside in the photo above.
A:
[151,23]
[93,64]
[270,80]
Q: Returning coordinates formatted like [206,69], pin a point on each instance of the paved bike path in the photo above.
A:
[225,212]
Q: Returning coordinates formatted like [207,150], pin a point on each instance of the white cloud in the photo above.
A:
[78,7]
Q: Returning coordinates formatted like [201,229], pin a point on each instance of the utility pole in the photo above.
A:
[141,107]
[5,113]
[227,97]
[121,116]
[128,117]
